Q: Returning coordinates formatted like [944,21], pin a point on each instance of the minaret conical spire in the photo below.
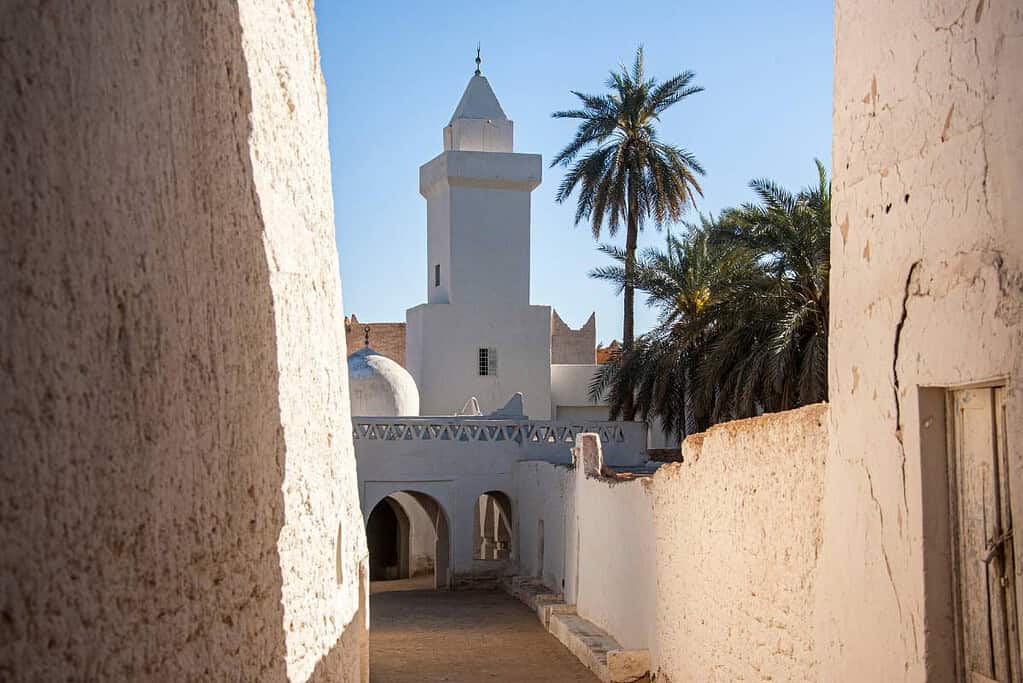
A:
[479,124]
[479,101]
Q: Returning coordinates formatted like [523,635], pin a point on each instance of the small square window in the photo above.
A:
[436,275]
[487,362]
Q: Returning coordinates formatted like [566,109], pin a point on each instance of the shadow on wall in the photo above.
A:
[338,665]
[142,497]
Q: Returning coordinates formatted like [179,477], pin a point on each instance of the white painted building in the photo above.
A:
[439,493]
[478,334]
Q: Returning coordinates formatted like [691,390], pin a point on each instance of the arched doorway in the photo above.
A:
[387,538]
[492,527]
[407,535]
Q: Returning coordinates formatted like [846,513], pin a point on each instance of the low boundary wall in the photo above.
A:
[709,564]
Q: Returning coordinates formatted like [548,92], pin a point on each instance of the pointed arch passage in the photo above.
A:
[387,538]
[492,526]
[407,535]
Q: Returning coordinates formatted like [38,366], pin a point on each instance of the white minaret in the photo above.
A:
[478,335]
[477,206]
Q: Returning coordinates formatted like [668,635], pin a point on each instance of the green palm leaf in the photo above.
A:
[621,174]
[742,311]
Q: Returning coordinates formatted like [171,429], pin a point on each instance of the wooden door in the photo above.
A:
[988,646]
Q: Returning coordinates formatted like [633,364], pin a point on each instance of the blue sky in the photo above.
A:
[395,71]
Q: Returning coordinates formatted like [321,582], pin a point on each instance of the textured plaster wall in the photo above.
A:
[573,347]
[291,171]
[738,529]
[710,564]
[177,468]
[927,291]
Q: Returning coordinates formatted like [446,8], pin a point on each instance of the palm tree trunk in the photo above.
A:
[628,317]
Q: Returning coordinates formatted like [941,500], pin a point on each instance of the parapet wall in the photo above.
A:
[710,564]
[738,527]
[178,498]
[573,347]
[432,439]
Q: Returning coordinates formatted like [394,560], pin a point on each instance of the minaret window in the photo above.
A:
[436,275]
[487,362]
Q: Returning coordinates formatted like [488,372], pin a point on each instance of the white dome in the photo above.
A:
[380,387]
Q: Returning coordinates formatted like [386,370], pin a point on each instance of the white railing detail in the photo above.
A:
[476,430]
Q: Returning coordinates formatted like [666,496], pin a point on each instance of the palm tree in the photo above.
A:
[742,305]
[624,173]
[791,234]
[683,282]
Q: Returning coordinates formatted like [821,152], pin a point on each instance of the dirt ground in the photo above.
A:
[419,583]
[462,637]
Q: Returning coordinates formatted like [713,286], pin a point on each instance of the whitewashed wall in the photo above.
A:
[612,578]
[422,534]
[545,493]
[456,469]
[570,392]
[450,336]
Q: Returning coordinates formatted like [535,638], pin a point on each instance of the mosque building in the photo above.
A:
[485,381]
[478,336]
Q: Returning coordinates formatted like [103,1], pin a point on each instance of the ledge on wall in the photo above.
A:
[691,447]
[591,645]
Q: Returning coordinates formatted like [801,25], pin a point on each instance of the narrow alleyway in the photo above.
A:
[463,637]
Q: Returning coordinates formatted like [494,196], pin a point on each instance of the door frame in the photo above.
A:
[998,386]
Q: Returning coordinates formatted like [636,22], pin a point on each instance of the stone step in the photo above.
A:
[535,595]
[591,645]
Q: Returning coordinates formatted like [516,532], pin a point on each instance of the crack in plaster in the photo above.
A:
[895,377]
[948,123]
[983,182]
[913,288]
[887,560]
[958,20]
[884,548]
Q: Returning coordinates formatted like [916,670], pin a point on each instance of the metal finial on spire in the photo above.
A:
[366,332]
[478,59]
